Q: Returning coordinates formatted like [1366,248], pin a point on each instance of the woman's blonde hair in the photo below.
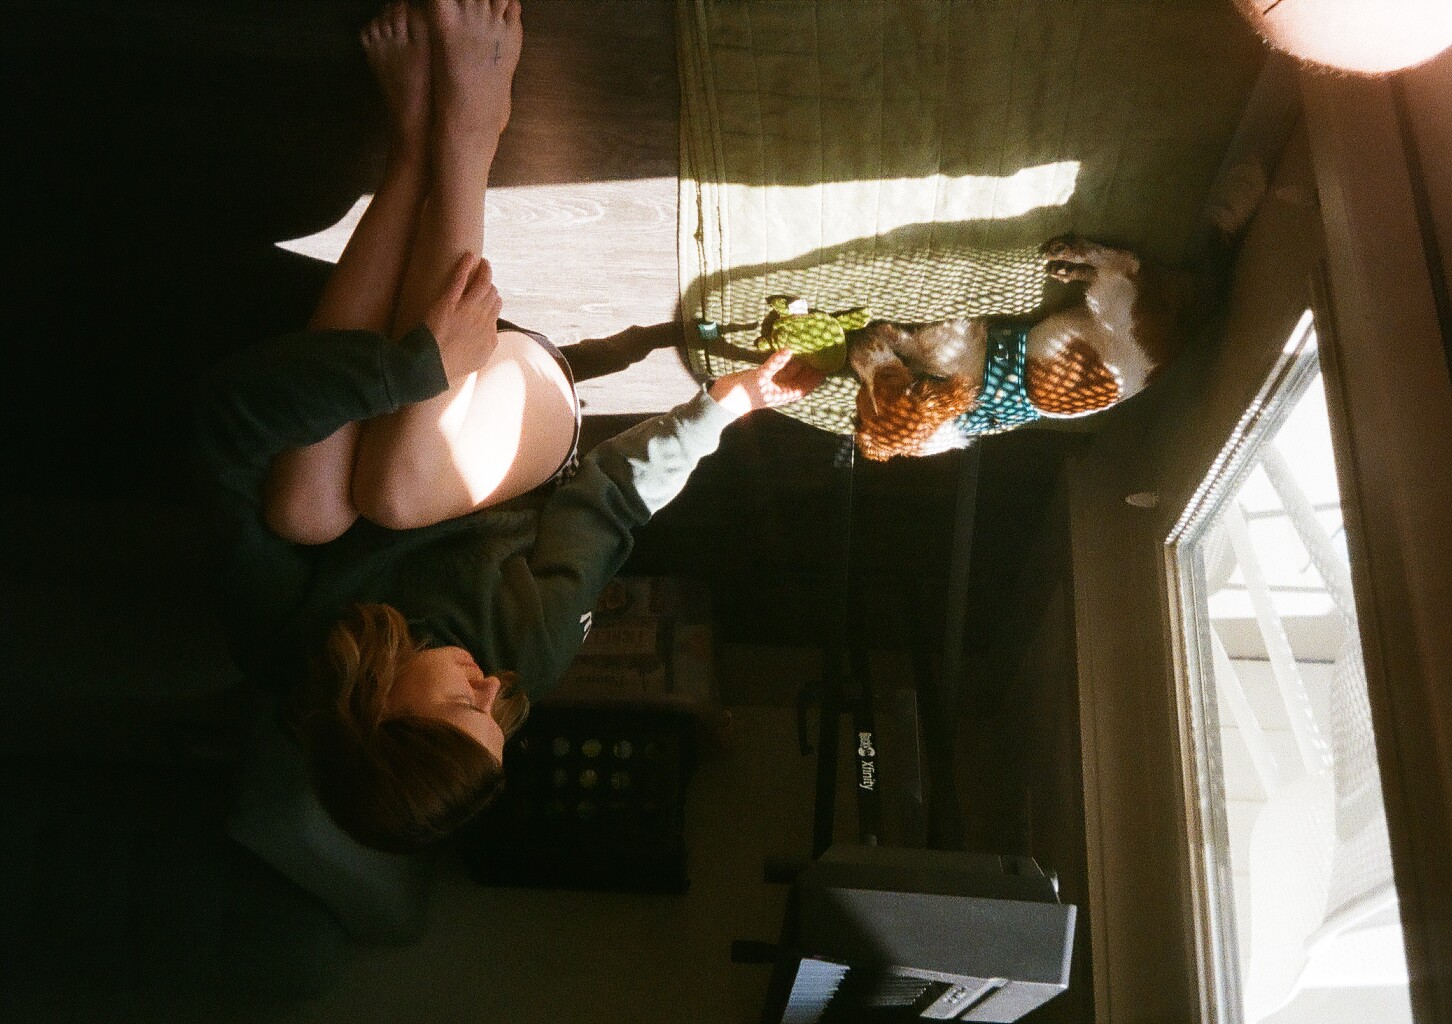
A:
[393,782]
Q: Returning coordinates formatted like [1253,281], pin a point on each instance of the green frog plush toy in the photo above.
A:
[819,338]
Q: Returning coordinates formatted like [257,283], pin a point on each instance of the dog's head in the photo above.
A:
[901,402]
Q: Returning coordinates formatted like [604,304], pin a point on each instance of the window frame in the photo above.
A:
[1187,594]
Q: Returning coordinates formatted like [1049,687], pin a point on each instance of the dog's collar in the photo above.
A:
[1003,403]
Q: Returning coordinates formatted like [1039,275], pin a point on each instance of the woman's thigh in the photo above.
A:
[504,430]
[308,496]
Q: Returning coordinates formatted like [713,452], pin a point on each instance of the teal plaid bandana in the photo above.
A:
[1003,403]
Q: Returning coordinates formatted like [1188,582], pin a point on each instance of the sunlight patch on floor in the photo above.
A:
[524,210]
[796,220]
[327,244]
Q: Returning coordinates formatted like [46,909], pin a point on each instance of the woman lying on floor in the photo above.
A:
[395,489]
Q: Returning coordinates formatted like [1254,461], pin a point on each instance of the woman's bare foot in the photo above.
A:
[396,44]
[476,49]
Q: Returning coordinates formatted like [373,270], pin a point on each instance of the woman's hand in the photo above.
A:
[464,320]
[779,381]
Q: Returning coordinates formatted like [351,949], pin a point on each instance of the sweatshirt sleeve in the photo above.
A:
[297,389]
[286,393]
[584,534]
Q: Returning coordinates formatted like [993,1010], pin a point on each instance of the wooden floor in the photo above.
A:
[581,219]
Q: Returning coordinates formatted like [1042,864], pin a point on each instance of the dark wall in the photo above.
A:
[157,152]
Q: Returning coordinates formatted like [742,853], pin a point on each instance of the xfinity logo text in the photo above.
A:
[866,766]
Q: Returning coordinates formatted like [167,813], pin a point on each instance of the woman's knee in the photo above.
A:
[310,521]
[381,503]
[306,499]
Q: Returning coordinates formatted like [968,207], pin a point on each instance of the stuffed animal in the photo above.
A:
[819,338]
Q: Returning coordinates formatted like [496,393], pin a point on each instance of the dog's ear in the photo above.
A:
[883,387]
[873,347]
[874,359]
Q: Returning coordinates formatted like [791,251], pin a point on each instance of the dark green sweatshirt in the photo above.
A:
[513,584]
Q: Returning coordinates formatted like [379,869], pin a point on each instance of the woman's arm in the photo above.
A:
[296,389]
[585,529]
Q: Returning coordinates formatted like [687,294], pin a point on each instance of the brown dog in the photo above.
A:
[1082,358]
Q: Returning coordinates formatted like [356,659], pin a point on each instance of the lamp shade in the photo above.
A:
[1369,37]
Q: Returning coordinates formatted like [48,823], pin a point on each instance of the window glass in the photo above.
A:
[1295,903]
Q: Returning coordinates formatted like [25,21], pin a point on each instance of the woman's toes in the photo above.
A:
[443,13]
[415,25]
[380,28]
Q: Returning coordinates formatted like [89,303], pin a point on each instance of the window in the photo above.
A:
[1294,904]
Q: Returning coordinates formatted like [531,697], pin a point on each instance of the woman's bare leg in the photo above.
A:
[364,288]
[308,498]
[404,460]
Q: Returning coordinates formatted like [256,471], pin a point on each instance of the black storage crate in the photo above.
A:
[594,799]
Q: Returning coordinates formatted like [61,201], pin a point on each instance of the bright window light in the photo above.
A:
[1295,902]
[799,219]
